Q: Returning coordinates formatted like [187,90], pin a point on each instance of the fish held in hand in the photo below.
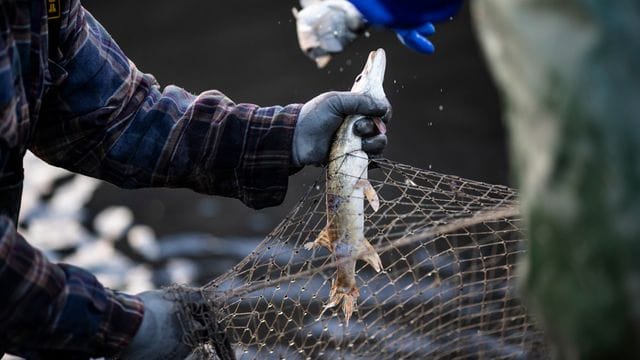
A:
[347,187]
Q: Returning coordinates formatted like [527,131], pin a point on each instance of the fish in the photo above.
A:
[322,24]
[347,186]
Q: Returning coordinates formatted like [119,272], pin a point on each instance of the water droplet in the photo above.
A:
[409,182]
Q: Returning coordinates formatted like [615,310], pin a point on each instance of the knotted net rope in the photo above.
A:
[449,247]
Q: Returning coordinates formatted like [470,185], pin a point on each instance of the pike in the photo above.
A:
[347,186]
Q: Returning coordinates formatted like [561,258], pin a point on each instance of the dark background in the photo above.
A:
[446,110]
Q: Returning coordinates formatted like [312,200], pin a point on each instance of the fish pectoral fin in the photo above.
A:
[323,239]
[370,193]
[370,255]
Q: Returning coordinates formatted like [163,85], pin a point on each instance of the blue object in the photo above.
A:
[417,39]
[411,19]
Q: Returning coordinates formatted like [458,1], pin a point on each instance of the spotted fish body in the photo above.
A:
[347,188]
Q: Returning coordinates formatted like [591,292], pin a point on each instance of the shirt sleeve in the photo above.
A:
[58,311]
[104,118]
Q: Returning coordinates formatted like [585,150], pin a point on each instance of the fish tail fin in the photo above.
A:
[323,239]
[370,193]
[346,297]
[370,255]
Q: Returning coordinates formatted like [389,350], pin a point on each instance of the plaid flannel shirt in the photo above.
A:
[84,106]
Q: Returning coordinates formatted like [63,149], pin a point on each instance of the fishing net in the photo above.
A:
[449,247]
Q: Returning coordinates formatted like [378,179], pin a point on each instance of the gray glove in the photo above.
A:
[322,116]
[326,27]
[160,334]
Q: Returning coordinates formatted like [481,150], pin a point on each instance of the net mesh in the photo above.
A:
[449,248]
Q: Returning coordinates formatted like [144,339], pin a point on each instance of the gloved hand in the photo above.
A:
[322,116]
[411,19]
[406,14]
[160,334]
[326,28]
[417,39]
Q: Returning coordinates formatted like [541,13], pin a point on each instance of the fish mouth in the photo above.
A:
[322,61]
[319,55]
[373,72]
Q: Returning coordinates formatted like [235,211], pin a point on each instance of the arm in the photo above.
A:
[106,119]
[569,79]
[49,310]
